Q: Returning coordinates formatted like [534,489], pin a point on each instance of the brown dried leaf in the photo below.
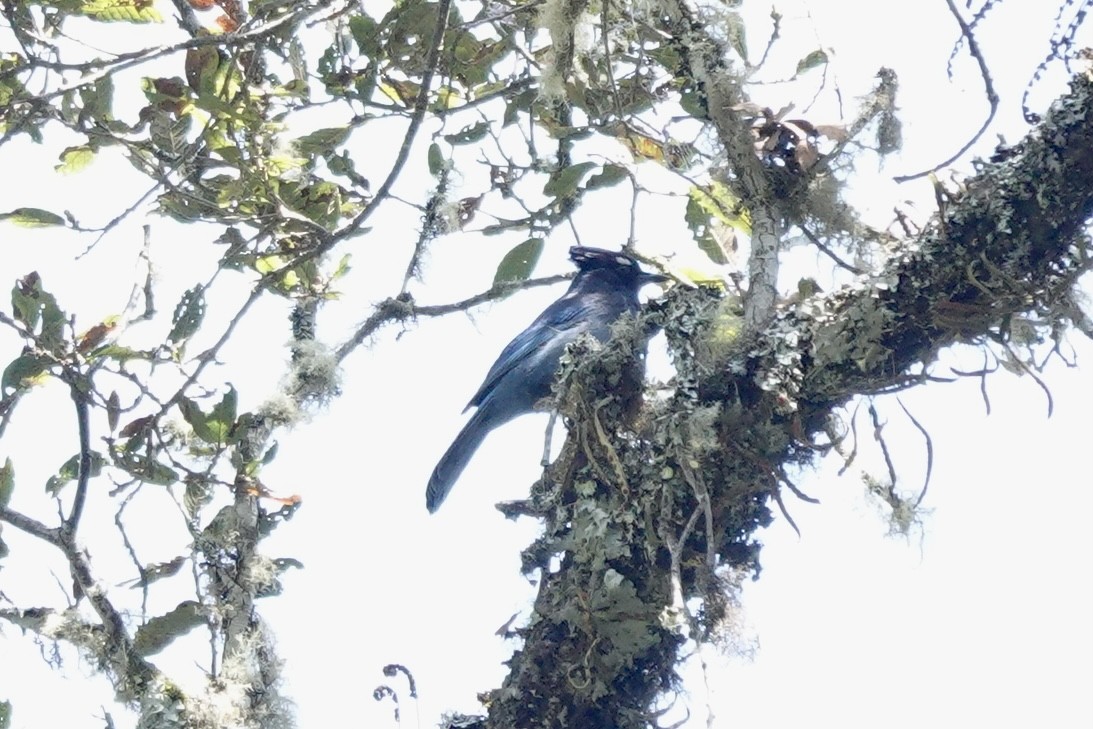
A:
[226,24]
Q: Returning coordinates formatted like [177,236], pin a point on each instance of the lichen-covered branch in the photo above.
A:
[601,637]
[709,67]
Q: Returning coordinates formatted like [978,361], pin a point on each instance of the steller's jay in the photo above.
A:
[606,287]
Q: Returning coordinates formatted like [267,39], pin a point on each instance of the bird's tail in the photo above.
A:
[455,459]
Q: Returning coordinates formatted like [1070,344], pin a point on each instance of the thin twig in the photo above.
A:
[120,523]
[988,84]
[878,430]
[210,354]
[814,240]
[1028,371]
[402,308]
[929,452]
[848,460]
[777,494]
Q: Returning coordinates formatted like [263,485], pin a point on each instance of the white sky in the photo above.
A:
[983,618]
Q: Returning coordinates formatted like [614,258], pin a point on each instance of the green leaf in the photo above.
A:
[270,454]
[118,353]
[113,410]
[343,267]
[188,316]
[518,263]
[24,300]
[693,101]
[365,32]
[504,225]
[98,99]
[5,706]
[322,141]
[158,571]
[32,218]
[468,134]
[32,305]
[160,631]
[224,412]
[75,159]
[666,56]
[129,11]
[70,471]
[811,61]
[520,103]
[196,417]
[170,135]
[214,427]
[612,174]
[22,369]
[145,468]
[718,201]
[437,164]
[7,482]
[564,182]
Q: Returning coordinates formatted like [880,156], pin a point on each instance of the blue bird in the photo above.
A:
[606,287]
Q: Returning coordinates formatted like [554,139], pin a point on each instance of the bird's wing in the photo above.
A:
[566,315]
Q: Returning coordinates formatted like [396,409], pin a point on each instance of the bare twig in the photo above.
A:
[403,307]
[777,494]
[210,354]
[878,435]
[1028,370]
[929,452]
[988,85]
[814,240]
[120,524]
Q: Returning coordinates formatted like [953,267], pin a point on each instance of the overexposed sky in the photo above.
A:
[982,617]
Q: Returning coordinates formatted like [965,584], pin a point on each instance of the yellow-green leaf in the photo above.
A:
[160,631]
[130,11]
[322,141]
[75,159]
[812,60]
[33,217]
[717,200]
[7,482]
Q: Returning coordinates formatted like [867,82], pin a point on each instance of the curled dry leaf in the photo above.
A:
[227,24]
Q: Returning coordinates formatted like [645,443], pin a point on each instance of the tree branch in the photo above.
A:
[584,660]
[707,61]
[80,398]
[33,527]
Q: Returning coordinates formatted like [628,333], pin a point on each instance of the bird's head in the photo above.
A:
[626,271]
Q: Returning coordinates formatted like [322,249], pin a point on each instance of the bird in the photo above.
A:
[605,288]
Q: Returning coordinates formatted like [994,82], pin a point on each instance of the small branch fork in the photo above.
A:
[988,87]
